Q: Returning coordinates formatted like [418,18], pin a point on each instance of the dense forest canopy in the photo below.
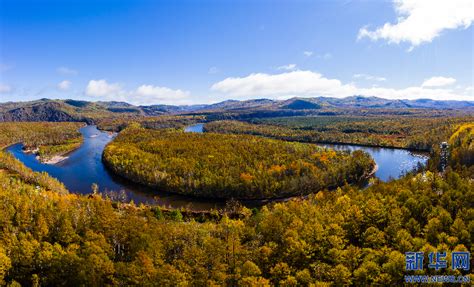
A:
[345,237]
[230,166]
[38,134]
[402,132]
[462,146]
[161,122]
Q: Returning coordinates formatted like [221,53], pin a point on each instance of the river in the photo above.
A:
[84,166]
[392,163]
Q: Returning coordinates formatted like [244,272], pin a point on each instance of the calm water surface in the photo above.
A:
[392,163]
[84,167]
[197,128]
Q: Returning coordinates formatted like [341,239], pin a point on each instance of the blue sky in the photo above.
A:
[186,52]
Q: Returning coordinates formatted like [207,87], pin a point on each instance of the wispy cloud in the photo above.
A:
[143,95]
[4,88]
[369,77]
[325,56]
[64,85]
[67,71]
[421,21]
[289,67]
[213,70]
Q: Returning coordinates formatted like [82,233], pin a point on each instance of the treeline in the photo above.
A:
[118,123]
[48,138]
[230,166]
[270,113]
[347,237]
[462,148]
[400,132]
[18,171]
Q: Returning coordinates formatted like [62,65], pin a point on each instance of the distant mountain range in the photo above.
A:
[74,110]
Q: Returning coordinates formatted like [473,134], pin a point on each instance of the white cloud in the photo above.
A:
[325,56]
[412,93]
[310,84]
[213,70]
[67,71]
[100,88]
[285,84]
[438,82]
[369,77]
[4,88]
[143,95]
[421,21]
[148,94]
[64,85]
[289,67]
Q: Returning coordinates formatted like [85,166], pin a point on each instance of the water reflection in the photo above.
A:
[84,167]
[392,163]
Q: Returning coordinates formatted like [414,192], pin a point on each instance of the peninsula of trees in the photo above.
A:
[230,166]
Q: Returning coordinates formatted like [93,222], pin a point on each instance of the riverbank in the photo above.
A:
[374,170]
[50,142]
[52,158]
[333,134]
[55,159]
[84,167]
[363,181]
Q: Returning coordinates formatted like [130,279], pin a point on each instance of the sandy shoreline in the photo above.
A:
[374,170]
[54,160]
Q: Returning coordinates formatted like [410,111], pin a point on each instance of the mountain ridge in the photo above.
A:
[79,110]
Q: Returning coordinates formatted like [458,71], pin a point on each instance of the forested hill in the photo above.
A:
[63,110]
[74,110]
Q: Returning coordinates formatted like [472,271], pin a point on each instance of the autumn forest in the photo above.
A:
[238,143]
[333,230]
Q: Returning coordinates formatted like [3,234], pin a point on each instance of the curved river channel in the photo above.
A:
[84,167]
